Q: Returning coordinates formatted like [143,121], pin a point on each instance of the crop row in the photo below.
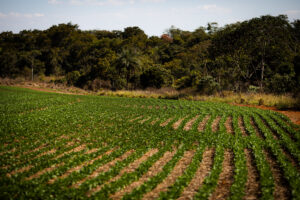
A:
[58,146]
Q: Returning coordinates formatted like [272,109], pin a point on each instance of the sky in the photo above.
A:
[152,16]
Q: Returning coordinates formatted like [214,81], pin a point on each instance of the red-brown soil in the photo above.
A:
[103,168]
[252,186]
[153,171]
[226,177]
[281,190]
[202,124]
[203,170]
[129,169]
[171,178]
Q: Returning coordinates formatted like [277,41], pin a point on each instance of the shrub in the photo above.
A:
[99,84]
[155,77]
[72,77]
[280,83]
[183,82]
[118,84]
[207,85]
[253,89]
[59,81]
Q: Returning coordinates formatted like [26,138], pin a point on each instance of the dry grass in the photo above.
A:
[281,101]
[163,93]
[284,101]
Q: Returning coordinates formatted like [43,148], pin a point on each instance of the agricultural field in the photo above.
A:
[58,146]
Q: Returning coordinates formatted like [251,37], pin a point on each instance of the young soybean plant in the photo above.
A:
[57,146]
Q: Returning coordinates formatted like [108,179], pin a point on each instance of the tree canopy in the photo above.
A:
[262,53]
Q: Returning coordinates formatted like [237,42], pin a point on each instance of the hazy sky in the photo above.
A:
[153,16]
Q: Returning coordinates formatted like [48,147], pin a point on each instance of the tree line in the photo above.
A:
[260,54]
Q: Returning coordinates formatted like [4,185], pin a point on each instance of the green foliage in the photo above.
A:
[33,123]
[156,77]
[280,83]
[72,77]
[253,89]
[207,85]
[262,52]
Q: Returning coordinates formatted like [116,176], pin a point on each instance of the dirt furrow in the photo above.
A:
[226,177]
[77,168]
[190,123]
[131,168]
[52,151]
[166,122]
[20,170]
[8,151]
[177,124]
[242,126]
[76,149]
[154,121]
[257,131]
[216,124]
[91,151]
[201,173]
[291,135]
[202,124]
[63,137]
[274,134]
[134,119]
[291,158]
[144,120]
[153,171]
[34,150]
[39,173]
[38,156]
[103,168]
[178,170]
[252,190]
[229,126]
[281,190]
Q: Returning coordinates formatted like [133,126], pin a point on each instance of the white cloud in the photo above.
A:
[38,15]
[214,8]
[21,15]
[2,15]
[109,2]
[99,2]
[54,2]
[293,12]
[153,1]
[116,2]
[14,14]
[76,2]
[209,7]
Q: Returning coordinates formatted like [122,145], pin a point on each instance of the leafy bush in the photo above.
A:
[280,83]
[118,84]
[155,77]
[183,82]
[72,77]
[253,89]
[208,85]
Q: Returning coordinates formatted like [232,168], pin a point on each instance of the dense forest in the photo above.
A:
[261,54]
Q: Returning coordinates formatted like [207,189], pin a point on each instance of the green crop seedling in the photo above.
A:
[58,146]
